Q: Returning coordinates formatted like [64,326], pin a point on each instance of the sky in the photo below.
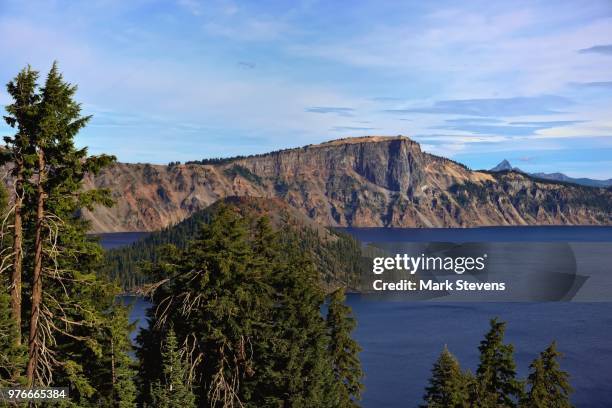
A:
[475,81]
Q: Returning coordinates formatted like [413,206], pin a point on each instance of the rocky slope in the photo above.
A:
[367,181]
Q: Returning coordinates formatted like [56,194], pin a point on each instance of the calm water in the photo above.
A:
[401,340]
[484,234]
[119,239]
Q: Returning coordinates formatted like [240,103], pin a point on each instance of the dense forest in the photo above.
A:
[337,255]
[240,317]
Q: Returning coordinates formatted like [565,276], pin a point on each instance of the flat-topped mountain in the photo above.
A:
[365,181]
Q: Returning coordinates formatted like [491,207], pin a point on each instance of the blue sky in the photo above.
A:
[477,81]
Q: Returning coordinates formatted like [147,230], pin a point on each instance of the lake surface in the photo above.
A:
[484,234]
[118,239]
[401,339]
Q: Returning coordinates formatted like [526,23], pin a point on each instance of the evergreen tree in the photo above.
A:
[246,305]
[8,365]
[19,151]
[496,374]
[301,341]
[548,385]
[68,303]
[12,355]
[448,386]
[57,123]
[343,350]
[174,390]
[116,369]
[214,298]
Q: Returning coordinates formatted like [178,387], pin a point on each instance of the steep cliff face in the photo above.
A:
[368,181]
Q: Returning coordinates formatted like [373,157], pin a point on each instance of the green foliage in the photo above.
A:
[173,390]
[548,385]
[343,350]
[465,191]
[225,160]
[216,160]
[337,260]
[447,160]
[495,384]
[73,343]
[246,306]
[448,386]
[12,356]
[123,392]
[23,116]
[496,374]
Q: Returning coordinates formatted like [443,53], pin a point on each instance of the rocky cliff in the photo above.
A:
[367,181]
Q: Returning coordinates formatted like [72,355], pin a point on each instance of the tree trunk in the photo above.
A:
[34,343]
[17,255]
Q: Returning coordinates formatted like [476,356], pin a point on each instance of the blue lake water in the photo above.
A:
[551,233]
[402,339]
[118,239]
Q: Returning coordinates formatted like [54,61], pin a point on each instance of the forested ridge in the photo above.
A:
[337,255]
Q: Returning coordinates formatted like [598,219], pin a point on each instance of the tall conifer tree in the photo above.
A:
[22,115]
[173,390]
[117,369]
[548,385]
[67,302]
[54,204]
[448,386]
[496,374]
[343,350]
[299,365]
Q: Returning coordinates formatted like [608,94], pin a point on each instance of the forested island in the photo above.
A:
[248,299]
[337,256]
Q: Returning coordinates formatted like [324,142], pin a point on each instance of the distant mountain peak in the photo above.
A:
[567,179]
[504,165]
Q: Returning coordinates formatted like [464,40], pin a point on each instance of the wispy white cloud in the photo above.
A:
[598,49]
[340,111]
[516,106]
